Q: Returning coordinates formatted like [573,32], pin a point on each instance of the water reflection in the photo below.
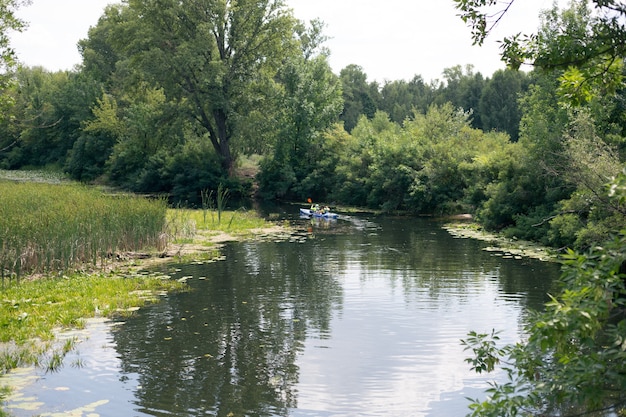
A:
[364,318]
[230,345]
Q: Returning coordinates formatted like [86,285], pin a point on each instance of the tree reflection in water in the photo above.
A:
[233,344]
[230,344]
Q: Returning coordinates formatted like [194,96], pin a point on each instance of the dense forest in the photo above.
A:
[178,98]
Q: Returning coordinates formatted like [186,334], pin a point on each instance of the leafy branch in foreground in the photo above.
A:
[486,353]
[586,46]
[574,360]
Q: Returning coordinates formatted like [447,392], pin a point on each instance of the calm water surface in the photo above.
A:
[363,318]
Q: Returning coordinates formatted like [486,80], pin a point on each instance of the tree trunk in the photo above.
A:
[224,141]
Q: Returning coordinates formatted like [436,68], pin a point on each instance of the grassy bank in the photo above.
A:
[186,225]
[46,228]
[55,232]
[33,310]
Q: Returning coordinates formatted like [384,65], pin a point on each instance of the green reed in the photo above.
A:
[56,227]
[222,198]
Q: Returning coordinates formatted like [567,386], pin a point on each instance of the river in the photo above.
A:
[358,317]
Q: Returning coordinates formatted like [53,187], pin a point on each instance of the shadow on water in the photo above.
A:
[364,318]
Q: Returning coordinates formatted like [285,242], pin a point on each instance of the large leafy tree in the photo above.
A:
[359,96]
[400,98]
[45,117]
[463,88]
[498,105]
[212,57]
[309,102]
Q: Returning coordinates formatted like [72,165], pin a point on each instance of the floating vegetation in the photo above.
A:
[32,313]
[500,246]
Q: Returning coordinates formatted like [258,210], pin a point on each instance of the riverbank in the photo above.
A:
[194,236]
[500,245]
[37,310]
[284,296]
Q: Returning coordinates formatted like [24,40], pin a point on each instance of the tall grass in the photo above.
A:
[184,224]
[48,228]
[222,198]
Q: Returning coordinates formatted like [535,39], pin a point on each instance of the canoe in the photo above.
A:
[310,213]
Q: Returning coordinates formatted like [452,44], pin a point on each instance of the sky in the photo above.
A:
[390,40]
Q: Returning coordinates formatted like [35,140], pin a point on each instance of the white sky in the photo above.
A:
[390,40]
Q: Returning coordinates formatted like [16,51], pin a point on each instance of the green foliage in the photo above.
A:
[146,147]
[86,160]
[183,172]
[378,141]
[464,89]
[486,355]
[588,46]
[435,163]
[399,99]
[498,102]
[45,121]
[447,143]
[574,358]
[100,57]
[8,60]
[310,102]
[207,56]
[242,78]
[359,97]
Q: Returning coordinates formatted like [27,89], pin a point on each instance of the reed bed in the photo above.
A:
[51,228]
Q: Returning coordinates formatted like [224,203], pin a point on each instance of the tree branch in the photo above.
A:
[547,219]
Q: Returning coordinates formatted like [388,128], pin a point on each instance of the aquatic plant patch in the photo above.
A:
[31,312]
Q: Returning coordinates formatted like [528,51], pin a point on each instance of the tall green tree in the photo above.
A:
[359,96]
[100,56]
[399,99]
[498,102]
[208,56]
[309,103]
[9,22]
[46,116]
[463,88]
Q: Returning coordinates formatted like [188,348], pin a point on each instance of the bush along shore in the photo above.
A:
[69,253]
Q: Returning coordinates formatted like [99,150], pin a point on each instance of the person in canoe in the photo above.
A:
[315,208]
